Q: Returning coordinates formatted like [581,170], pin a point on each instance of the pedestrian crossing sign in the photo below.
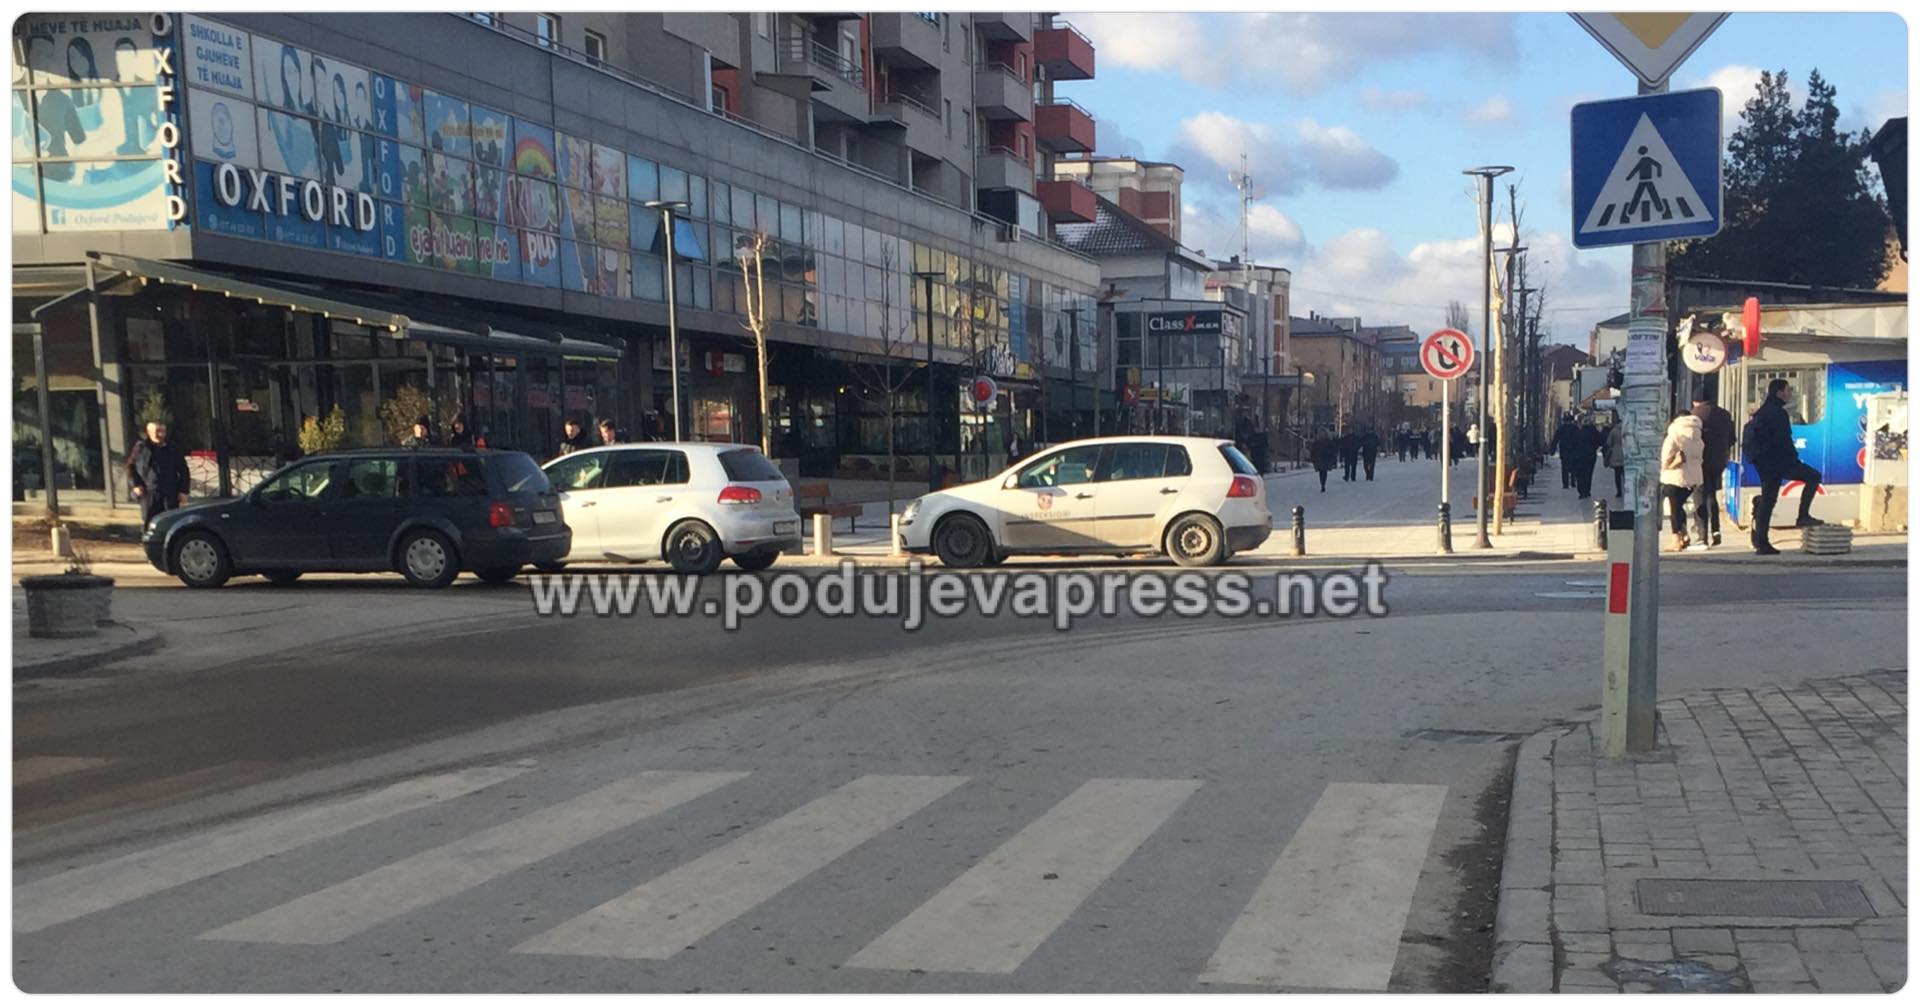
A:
[1646,168]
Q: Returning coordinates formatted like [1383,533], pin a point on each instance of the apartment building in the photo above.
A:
[1149,190]
[478,206]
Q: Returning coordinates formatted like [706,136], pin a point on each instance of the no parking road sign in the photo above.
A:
[1447,354]
[1646,168]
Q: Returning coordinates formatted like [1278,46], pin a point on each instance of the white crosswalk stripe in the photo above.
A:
[1330,913]
[354,906]
[990,919]
[663,916]
[76,893]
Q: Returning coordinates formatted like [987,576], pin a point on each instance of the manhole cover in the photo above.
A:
[1798,899]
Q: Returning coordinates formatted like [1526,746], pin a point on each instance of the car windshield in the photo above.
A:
[749,466]
[519,473]
[301,482]
[1237,461]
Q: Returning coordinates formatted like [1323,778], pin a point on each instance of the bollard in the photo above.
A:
[62,541]
[1299,530]
[894,551]
[822,534]
[1446,529]
[1600,525]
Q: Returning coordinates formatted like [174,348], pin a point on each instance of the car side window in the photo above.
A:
[1064,468]
[1132,461]
[638,468]
[440,477]
[299,483]
[578,472]
[1178,463]
[677,473]
[373,478]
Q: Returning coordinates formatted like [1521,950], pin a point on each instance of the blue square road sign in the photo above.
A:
[1646,168]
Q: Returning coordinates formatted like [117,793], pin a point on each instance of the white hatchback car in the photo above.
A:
[690,504]
[1196,499]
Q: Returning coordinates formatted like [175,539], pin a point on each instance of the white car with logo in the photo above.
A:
[1195,499]
[688,503]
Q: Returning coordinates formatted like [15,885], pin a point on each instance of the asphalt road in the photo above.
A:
[829,804]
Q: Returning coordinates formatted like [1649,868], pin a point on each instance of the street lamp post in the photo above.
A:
[1486,176]
[927,277]
[667,208]
[1073,371]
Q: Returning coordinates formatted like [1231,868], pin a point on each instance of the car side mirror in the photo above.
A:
[1011,481]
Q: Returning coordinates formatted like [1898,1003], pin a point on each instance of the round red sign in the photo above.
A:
[1447,354]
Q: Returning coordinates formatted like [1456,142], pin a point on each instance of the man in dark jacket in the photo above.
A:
[1768,445]
[1578,452]
[1369,450]
[1717,430]
[1564,445]
[157,471]
[1349,458]
[575,438]
[1325,455]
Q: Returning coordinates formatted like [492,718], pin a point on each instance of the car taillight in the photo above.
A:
[1243,488]
[500,515]
[739,494]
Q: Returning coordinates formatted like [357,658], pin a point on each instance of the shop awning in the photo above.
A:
[374,310]
[258,292]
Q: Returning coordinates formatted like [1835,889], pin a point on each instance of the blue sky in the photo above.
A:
[1358,127]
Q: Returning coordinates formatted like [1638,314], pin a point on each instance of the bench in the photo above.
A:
[811,499]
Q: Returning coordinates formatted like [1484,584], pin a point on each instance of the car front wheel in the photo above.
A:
[497,574]
[1196,540]
[282,577]
[427,559]
[200,560]
[963,542]
[693,547]
[754,562]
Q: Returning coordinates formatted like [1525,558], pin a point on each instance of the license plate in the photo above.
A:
[785,527]
[543,517]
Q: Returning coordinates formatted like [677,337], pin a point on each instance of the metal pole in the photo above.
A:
[673,325]
[46,423]
[1446,441]
[933,480]
[1073,371]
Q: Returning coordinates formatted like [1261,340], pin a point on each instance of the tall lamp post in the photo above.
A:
[927,277]
[1486,175]
[667,210]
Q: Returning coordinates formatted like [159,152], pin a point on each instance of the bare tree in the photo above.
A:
[890,376]
[1457,317]
[752,255]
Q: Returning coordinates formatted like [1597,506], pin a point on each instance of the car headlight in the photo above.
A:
[912,511]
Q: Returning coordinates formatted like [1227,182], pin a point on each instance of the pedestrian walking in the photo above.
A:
[1579,453]
[1369,450]
[1767,444]
[1349,458]
[1016,448]
[457,433]
[1680,474]
[609,433]
[1325,454]
[1459,447]
[1565,445]
[1473,438]
[1401,439]
[1717,430]
[575,438]
[157,473]
[421,436]
[1613,454]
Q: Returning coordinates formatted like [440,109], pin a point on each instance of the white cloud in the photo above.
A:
[1282,161]
[1738,84]
[1493,111]
[1304,52]
[1213,227]
[1873,113]
[1392,101]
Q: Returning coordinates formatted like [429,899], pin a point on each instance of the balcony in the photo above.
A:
[1014,27]
[834,83]
[1066,201]
[1064,52]
[999,93]
[907,40]
[1063,127]
[1002,168]
[921,123]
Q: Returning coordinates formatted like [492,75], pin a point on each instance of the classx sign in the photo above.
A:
[1183,322]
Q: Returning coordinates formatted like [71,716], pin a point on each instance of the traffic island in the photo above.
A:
[1761,846]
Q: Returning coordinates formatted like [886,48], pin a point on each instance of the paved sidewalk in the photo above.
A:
[1770,788]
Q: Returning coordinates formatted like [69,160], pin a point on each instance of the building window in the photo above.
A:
[546,28]
[596,47]
[763,25]
[948,118]
[930,17]
[487,19]
[722,102]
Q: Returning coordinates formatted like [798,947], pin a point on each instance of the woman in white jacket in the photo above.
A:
[1680,456]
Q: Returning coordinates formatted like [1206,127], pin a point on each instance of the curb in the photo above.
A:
[1522,936]
[143,642]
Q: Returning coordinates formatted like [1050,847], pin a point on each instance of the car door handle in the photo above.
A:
[1168,491]
[1083,496]
[589,503]
[663,499]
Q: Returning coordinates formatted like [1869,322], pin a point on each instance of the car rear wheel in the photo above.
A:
[963,541]
[549,567]
[200,560]
[497,574]
[693,547]
[754,562]
[282,577]
[427,559]
[1196,540]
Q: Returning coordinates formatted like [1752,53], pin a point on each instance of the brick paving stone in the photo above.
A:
[1587,943]
[1841,972]
[1826,939]
[1888,958]
[1773,962]
[1703,941]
